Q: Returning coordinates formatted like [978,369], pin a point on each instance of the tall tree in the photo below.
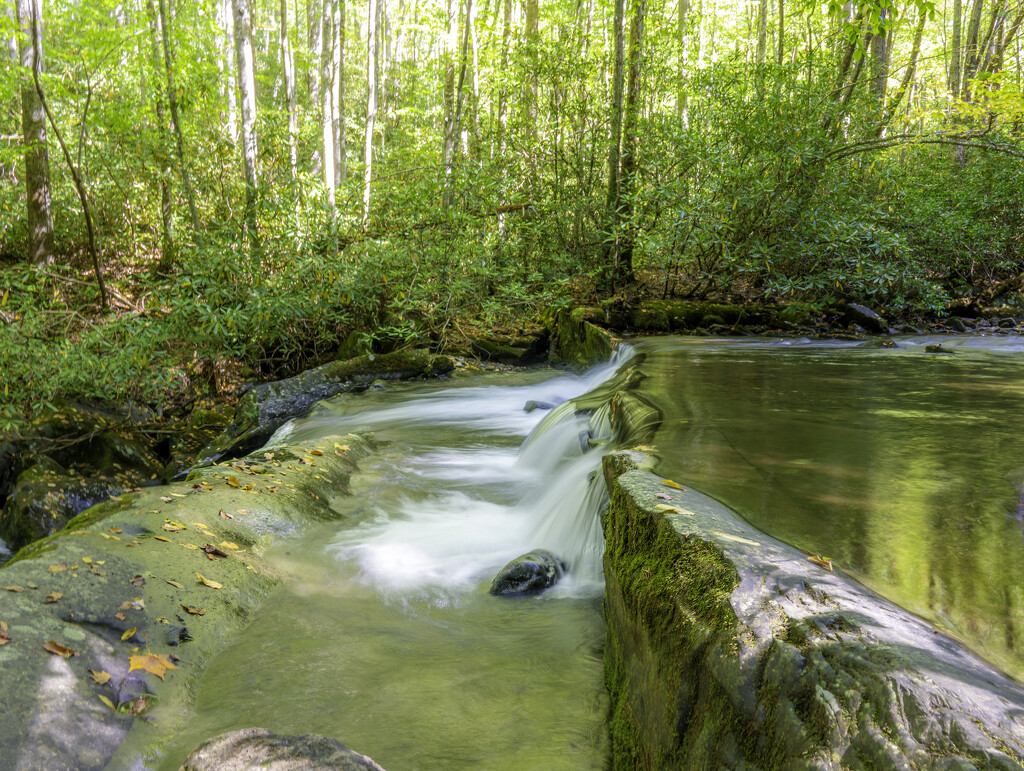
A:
[33,125]
[291,97]
[163,173]
[172,101]
[247,91]
[326,100]
[372,50]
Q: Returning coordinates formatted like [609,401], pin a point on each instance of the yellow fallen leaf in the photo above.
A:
[114,529]
[193,611]
[16,589]
[673,485]
[59,650]
[60,567]
[129,634]
[4,637]
[316,452]
[229,545]
[736,538]
[233,481]
[100,677]
[87,560]
[175,584]
[672,509]
[106,701]
[157,664]
[162,538]
[207,582]
[110,537]
[189,546]
[178,495]
[821,562]
[53,596]
[342,447]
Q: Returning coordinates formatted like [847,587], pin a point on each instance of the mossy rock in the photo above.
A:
[797,314]
[687,315]
[729,649]
[517,350]
[46,496]
[267,407]
[576,342]
[120,577]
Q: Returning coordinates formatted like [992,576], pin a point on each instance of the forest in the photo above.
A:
[191,186]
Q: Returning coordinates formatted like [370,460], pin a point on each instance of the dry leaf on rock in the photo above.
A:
[155,663]
[106,701]
[129,634]
[193,611]
[60,567]
[4,637]
[53,596]
[137,580]
[673,485]
[207,582]
[59,650]
[821,562]
[233,481]
[175,584]
[162,538]
[100,677]
[226,515]
[16,589]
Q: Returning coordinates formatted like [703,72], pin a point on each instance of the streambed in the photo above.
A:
[898,465]
[386,637]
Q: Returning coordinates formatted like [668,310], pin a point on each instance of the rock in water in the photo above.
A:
[865,317]
[252,748]
[532,405]
[528,574]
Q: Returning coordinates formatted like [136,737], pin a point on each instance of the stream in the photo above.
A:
[905,468]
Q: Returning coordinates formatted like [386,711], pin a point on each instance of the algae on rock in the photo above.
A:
[729,649]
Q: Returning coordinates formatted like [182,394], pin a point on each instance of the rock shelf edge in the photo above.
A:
[729,649]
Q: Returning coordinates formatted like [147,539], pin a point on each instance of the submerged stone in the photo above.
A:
[252,748]
[532,405]
[528,574]
[936,348]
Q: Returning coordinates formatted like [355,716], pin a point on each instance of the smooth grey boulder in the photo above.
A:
[529,573]
[865,317]
[250,749]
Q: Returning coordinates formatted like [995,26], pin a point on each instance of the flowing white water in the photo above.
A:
[459,500]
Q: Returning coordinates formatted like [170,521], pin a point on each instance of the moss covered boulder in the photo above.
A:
[729,649]
[575,341]
[106,625]
[268,406]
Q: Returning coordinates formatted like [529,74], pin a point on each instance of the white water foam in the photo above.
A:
[453,541]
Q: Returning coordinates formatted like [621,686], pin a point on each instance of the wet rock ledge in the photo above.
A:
[106,625]
[729,649]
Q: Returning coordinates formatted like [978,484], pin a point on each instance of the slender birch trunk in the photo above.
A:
[247,89]
[166,210]
[291,98]
[372,43]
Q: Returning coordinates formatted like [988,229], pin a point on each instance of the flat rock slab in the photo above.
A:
[138,593]
[728,648]
[257,748]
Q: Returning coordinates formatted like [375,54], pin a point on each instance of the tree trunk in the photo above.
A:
[326,100]
[880,59]
[337,86]
[172,100]
[955,53]
[225,63]
[372,43]
[780,55]
[33,125]
[36,43]
[630,130]
[291,98]
[506,36]
[682,108]
[340,160]
[166,213]
[247,89]
[613,215]
[451,42]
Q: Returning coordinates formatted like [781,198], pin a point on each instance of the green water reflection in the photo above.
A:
[902,467]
